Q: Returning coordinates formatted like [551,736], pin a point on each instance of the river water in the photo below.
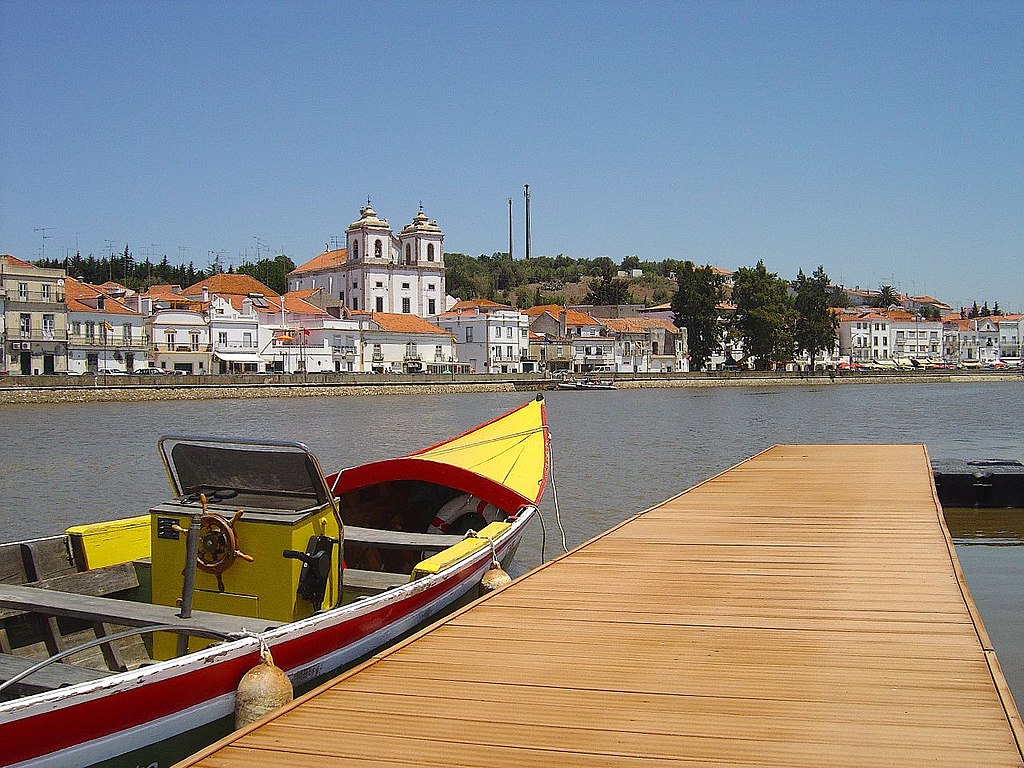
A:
[615,453]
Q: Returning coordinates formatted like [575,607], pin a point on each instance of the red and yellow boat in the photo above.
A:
[166,612]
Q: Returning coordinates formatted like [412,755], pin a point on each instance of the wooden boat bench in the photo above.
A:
[46,679]
[378,537]
[104,609]
[372,581]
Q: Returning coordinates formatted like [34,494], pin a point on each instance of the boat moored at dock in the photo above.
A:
[256,547]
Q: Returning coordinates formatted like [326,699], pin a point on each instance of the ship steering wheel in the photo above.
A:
[218,543]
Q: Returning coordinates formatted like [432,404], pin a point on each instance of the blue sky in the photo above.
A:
[882,140]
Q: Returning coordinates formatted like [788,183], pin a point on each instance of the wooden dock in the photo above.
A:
[804,608]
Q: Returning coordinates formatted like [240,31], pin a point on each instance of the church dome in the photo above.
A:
[421,224]
[368,219]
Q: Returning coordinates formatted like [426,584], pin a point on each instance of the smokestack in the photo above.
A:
[526,187]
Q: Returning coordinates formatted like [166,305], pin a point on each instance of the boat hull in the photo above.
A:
[158,714]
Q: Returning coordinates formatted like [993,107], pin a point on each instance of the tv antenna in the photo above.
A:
[45,237]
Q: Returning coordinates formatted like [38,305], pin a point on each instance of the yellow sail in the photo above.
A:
[511,450]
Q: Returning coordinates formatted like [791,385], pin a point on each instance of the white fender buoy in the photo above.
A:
[262,689]
[494,578]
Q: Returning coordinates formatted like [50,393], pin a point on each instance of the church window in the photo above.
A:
[408,254]
[430,286]
[378,249]
[430,251]
[432,304]
[380,303]
[405,286]
[355,302]
[406,308]
[379,284]
[355,250]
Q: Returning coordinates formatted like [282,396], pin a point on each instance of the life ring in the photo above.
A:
[446,516]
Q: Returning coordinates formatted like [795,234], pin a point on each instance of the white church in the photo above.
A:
[378,271]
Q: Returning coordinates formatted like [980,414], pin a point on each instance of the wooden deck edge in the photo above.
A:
[1010,710]
[236,735]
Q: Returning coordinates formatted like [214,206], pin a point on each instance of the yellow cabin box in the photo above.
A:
[268,533]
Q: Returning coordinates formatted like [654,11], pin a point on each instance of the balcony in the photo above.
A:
[343,350]
[182,348]
[13,296]
[412,356]
[378,357]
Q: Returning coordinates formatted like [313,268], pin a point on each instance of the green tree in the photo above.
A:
[887,296]
[273,273]
[631,262]
[609,291]
[695,305]
[816,324]
[837,297]
[764,315]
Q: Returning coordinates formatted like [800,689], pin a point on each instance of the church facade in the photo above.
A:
[378,271]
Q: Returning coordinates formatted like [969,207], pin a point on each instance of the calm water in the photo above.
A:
[615,453]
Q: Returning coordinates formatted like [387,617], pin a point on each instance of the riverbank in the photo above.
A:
[51,389]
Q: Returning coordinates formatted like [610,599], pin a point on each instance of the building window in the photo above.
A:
[247,339]
[410,351]
[406,309]
[430,251]
[378,249]
[355,303]
[437,352]
[510,355]
[430,286]
[380,303]
[76,328]
[195,342]
[22,291]
[46,291]
[379,284]
[469,334]
[355,250]
[49,325]
[222,338]
[432,306]
[408,254]
[169,336]
[126,333]
[405,286]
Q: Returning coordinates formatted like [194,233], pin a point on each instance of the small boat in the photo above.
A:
[255,549]
[587,383]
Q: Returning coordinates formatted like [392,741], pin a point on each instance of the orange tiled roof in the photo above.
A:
[397,323]
[295,301]
[326,260]
[637,324]
[229,284]
[77,294]
[15,261]
[477,304]
[572,316]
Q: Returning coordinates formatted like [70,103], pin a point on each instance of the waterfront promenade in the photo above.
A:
[777,614]
[87,389]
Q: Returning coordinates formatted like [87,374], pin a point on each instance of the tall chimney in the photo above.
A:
[526,187]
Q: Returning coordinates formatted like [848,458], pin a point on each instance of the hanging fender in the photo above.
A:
[463,505]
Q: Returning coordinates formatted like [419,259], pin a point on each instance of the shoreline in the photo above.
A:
[135,392]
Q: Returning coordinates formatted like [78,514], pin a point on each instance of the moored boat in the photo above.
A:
[256,546]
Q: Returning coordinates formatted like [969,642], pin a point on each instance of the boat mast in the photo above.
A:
[510,229]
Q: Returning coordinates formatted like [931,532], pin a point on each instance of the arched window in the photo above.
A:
[408,254]
[355,250]
[378,248]
[430,251]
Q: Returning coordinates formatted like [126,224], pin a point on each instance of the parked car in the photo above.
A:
[110,372]
[179,372]
[150,371]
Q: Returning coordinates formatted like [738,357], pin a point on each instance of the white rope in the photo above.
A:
[471,534]
[554,493]
[264,648]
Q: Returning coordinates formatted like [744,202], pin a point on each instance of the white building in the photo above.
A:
[490,337]
[34,318]
[103,333]
[647,345]
[397,343]
[864,336]
[378,271]
[593,346]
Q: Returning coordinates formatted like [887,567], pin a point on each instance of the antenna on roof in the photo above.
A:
[44,230]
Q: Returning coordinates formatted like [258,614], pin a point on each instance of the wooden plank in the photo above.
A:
[378,537]
[802,609]
[105,609]
[372,581]
[46,679]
